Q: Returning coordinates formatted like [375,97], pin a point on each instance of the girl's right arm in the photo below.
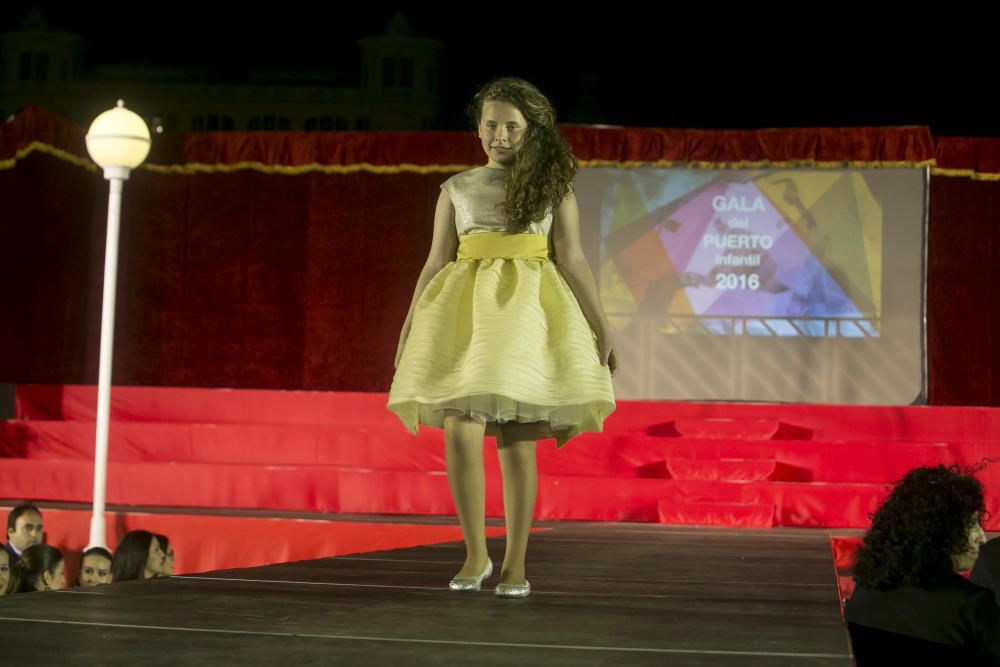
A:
[444,247]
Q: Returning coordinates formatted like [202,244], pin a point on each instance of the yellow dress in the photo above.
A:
[498,334]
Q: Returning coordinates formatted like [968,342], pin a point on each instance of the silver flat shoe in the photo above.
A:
[513,590]
[471,583]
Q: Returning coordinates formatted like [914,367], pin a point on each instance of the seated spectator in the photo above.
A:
[4,572]
[138,556]
[910,603]
[41,568]
[24,528]
[95,567]
[167,569]
[986,571]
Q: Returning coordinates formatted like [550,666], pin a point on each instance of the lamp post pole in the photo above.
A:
[118,141]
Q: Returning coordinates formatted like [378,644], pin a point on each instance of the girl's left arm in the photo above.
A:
[574,268]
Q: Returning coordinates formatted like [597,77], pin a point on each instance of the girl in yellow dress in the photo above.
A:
[506,335]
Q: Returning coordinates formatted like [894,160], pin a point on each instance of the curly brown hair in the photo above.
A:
[922,523]
[544,167]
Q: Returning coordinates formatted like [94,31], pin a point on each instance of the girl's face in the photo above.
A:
[55,580]
[501,130]
[964,561]
[154,560]
[95,570]
[167,569]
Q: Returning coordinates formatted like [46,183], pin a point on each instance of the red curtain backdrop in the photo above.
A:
[288,260]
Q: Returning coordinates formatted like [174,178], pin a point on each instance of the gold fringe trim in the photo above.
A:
[37,146]
[965,173]
[758,164]
[286,170]
[365,167]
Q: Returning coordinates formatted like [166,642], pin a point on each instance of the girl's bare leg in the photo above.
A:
[463,438]
[516,450]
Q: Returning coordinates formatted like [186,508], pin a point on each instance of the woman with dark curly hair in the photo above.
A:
[910,598]
[503,338]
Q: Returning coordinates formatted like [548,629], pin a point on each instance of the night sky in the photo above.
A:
[629,66]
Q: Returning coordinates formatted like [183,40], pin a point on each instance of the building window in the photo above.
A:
[24,71]
[198,123]
[363,123]
[41,67]
[227,123]
[406,73]
[341,124]
[324,124]
[389,72]
[213,122]
[270,122]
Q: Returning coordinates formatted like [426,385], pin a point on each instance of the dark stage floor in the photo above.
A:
[603,594]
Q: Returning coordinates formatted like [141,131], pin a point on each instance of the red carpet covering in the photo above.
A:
[843,562]
[750,465]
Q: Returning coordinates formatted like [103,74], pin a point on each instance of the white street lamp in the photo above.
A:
[118,141]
